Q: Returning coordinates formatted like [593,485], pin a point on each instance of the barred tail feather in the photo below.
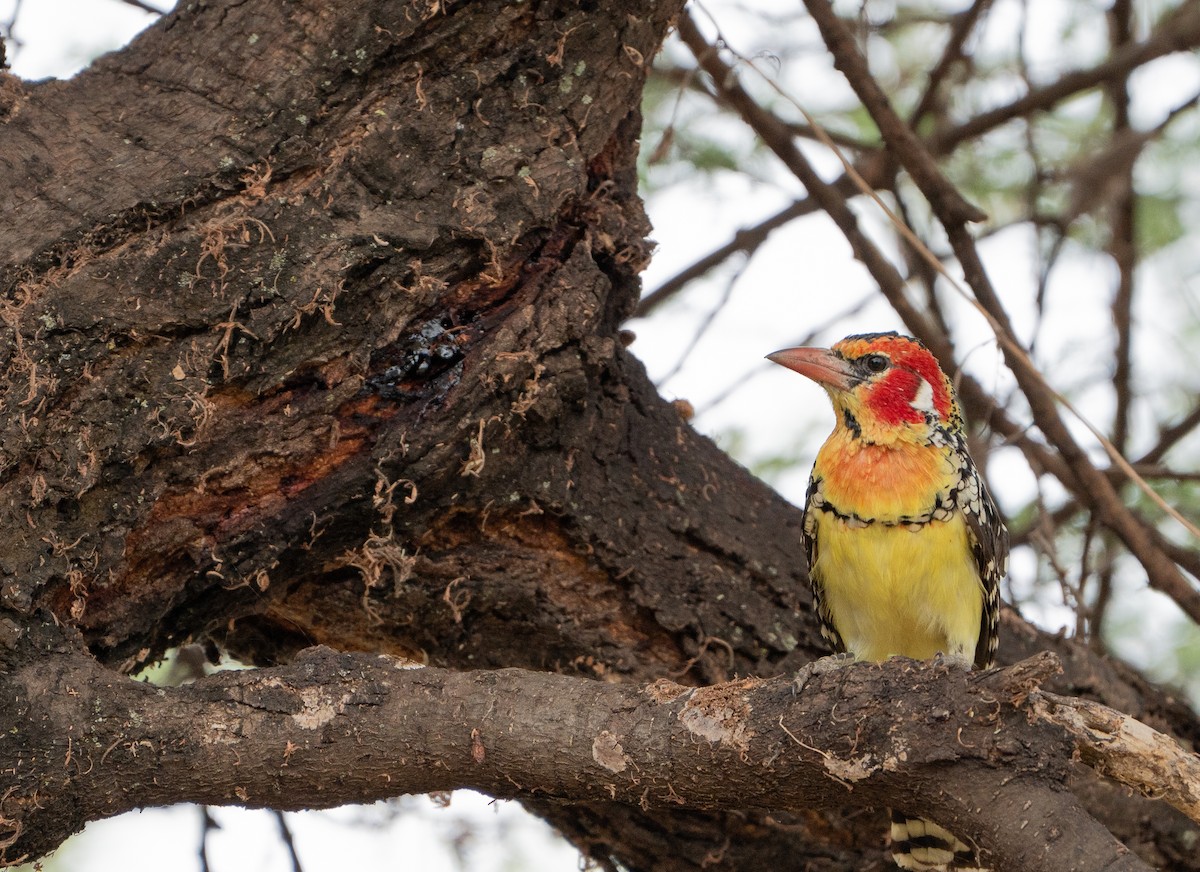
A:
[924,846]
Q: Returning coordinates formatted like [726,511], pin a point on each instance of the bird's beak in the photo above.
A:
[819,364]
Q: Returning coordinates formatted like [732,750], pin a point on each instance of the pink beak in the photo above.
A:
[819,364]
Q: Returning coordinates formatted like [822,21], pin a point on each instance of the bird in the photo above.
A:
[906,548]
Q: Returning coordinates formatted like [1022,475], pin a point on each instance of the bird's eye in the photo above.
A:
[876,362]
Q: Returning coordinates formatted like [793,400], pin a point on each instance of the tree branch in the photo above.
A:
[962,26]
[902,142]
[334,727]
[1177,31]
[1127,750]
[747,240]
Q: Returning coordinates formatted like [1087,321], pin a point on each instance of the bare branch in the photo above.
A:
[1178,31]
[963,24]
[903,144]
[1124,748]
[207,825]
[1171,435]
[334,727]
[746,240]
[1122,237]
[145,7]
[285,833]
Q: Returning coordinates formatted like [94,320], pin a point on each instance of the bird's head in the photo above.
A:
[885,387]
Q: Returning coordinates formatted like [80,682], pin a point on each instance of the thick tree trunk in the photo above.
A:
[312,335]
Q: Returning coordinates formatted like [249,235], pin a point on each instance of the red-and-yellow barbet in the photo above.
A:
[906,548]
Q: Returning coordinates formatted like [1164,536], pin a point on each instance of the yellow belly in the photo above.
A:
[894,591]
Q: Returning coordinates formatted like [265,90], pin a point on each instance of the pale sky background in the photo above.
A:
[791,286]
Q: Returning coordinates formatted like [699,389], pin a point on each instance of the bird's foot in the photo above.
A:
[955,660]
[830,663]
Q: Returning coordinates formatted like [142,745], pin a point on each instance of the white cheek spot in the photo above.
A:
[923,401]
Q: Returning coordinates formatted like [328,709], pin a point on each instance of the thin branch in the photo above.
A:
[844,140]
[1117,186]
[1188,558]
[918,266]
[1178,31]
[1093,633]
[903,144]
[1122,238]
[705,325]
[1105,576]
[1147,466]
[145,7]
[285,833]
[1147,470]
[747,240]
[667,138]
[961,28]
[1034,191]
[208,824]
[1168,438]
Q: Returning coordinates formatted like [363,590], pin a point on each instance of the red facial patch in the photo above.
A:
[891,398]
[918,358]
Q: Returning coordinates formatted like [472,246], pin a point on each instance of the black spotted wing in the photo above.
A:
[813,502]
[989,544]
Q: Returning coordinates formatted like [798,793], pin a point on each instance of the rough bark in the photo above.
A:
[312,335]
[335,728]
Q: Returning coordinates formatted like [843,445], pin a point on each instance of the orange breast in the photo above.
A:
[883,482]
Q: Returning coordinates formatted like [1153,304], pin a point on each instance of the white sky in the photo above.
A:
[473,833]
[801,279]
